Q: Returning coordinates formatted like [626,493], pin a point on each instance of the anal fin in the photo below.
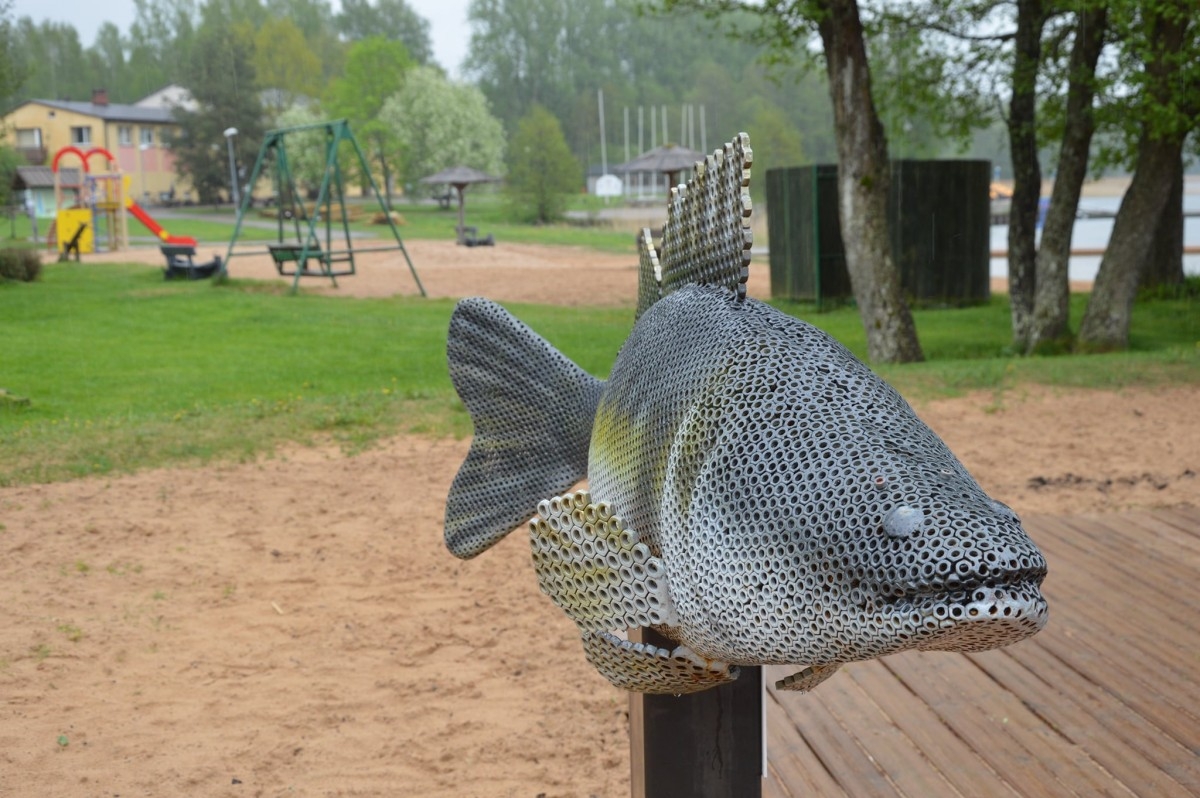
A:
[645,668]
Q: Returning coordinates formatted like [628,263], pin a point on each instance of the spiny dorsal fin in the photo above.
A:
[707,237]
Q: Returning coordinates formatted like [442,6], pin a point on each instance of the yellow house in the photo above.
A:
[137,136]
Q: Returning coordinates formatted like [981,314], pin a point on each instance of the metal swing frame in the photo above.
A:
[307,246]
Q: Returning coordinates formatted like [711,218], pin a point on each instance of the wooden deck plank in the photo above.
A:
[1131,734]
[1125,558]
[1065,714]
[1105,701]
[901,761]
[1173,540]
[1120,615]
[1186,519]
[1106,668]
[1003,730]
[1122,604]
[946,752]
[851,767]
[791,761]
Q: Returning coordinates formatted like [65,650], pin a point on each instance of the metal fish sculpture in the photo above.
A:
[756,493]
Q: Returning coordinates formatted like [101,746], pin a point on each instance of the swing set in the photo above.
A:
[306,245]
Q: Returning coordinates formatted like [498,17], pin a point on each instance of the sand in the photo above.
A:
[294,626]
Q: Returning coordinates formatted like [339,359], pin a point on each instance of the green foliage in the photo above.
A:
[152,391]
[223,84]
[20,264]
[10,159]
[285,64]
[776,143]
[541,169]
[305,149]
[391,19]
[12,70]
[436,123]
[375,70]
[557,55]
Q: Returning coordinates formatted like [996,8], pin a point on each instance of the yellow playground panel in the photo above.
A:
[68,222]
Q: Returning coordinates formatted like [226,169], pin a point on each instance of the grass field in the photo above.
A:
[123,371]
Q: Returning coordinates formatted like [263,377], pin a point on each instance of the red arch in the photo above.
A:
[77,151]
[87,156]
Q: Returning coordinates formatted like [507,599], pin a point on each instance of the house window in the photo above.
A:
[147,137]
[125,135]
[29,138]
[164,137]
[81,135]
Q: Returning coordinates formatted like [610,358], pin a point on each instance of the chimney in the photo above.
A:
[99,96]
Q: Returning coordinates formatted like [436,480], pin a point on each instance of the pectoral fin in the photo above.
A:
[595,568]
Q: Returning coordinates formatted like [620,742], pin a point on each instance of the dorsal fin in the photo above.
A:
[707,237]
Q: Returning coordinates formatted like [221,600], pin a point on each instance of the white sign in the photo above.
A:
[608,186]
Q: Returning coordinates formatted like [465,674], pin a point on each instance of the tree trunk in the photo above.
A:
[1027,171]
[863,182]
[1164,264]
[1049,324]
[1106,322]
[1168,116]
[387,175]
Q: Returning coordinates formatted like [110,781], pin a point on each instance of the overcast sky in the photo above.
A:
[447,21]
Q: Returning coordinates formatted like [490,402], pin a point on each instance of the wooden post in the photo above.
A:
[703,745]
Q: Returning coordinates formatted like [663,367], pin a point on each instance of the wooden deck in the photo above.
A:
[1104,701]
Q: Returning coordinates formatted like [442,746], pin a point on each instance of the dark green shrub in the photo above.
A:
[20,264]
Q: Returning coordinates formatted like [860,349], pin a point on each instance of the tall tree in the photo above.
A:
[541,169]
[437,123]
[1027,168]
[52,59]
[392,19]
[1048,325]
[284,65]
[375,70]
[222,82]
[1164,37]
[12,71]
[864,175]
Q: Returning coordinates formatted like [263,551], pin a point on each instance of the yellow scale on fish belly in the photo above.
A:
[757,495]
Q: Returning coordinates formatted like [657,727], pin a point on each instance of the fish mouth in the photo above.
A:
[976,614]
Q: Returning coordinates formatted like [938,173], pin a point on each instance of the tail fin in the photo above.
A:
[533,411]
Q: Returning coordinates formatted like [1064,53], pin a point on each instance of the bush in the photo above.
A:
[24,265]
[20,264]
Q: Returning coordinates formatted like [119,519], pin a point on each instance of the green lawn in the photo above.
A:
[123,371]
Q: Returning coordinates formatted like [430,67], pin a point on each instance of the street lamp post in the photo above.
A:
[230,132]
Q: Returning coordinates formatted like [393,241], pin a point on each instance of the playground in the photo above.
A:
[294,626]
[291,624]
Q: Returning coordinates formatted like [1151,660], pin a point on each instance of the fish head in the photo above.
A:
[816,519]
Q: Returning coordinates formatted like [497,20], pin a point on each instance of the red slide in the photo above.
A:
[140,214]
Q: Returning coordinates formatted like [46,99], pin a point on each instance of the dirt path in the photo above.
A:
[295,626]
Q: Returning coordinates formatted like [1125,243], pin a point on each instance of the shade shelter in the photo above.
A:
[460,177]
[669,160]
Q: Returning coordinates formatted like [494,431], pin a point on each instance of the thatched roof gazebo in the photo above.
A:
[460,177]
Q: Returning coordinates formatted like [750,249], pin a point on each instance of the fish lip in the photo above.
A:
[966,583]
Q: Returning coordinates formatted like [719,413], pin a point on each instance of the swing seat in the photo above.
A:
[286,252]
[181,266]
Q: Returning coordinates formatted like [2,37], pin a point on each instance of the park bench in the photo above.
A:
[443,199]
[285,252]
[181,266]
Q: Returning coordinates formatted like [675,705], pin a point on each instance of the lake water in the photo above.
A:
[1094,233]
